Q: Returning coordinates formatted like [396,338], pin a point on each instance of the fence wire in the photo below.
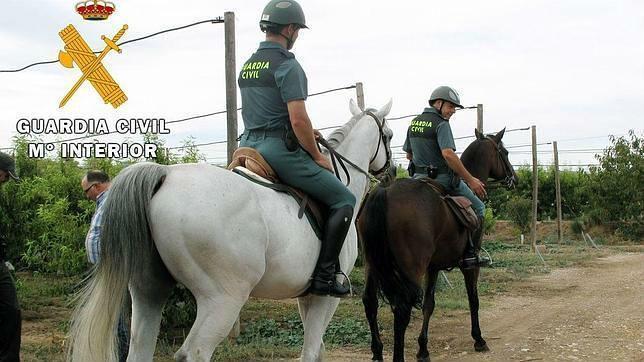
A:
[217,20]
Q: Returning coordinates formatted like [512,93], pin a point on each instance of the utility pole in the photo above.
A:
[479,117]
[535,188]
[360,95]
[558,193]
[231,83]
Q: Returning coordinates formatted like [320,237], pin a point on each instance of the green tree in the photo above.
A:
[615,188]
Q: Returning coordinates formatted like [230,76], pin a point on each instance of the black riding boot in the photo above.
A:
[324,281]
[471,259]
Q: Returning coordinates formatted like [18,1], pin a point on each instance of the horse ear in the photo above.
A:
[499,136]
[353,107]
[479,135]
[385,109]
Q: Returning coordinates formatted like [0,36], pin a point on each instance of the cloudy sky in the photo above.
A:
[573,68]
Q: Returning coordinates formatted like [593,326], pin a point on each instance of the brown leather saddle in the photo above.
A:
[250,164]
[460,206]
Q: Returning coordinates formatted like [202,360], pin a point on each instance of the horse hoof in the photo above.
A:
[481,347]
[423,359]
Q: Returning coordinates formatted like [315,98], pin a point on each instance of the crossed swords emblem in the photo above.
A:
[77,51]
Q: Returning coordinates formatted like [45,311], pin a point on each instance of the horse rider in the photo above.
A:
[274,89]
[430,148]
[10,315]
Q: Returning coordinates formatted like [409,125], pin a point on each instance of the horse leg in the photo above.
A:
[402,314]
[149,292]
[370,302]
[317,312]
[216,315]
[471,277]
[428,309]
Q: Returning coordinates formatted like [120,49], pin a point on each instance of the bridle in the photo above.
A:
[373,176]
[508,181]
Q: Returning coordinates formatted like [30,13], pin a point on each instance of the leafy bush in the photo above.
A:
[519,211]
[488,221]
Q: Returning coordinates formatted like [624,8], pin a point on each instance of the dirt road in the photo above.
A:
[593,313]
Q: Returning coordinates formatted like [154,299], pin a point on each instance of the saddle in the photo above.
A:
[250,164]
[460,206]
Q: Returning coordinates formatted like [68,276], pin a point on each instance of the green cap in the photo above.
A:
[8,165]
[447,94]
[282,12]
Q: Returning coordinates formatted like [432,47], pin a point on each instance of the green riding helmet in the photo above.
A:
[282,12]
[447,94]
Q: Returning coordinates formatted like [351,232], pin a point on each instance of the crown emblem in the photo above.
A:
[95,10]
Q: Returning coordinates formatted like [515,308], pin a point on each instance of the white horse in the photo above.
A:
[221,236]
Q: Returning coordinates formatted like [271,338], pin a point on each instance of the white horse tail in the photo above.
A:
[126,248]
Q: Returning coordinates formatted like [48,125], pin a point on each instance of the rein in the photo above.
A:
[340,158]
[508,181]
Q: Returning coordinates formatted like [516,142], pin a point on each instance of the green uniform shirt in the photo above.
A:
[268,80]
[427,135]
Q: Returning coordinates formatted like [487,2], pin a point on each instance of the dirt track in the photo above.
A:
[594,313]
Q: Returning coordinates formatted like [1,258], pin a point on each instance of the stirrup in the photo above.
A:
[348,280]
[326,288]
[475,261]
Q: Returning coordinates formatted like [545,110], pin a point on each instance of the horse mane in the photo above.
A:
[337,137]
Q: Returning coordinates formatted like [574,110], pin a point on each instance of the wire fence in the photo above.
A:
[220,20]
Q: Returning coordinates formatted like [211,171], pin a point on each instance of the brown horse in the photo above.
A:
[408,232]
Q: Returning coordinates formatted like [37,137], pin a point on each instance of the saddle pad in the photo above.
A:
[462,209]
[250,174]
[460,206]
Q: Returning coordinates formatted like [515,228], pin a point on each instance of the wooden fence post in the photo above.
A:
[231,83]
[479,117]
[535,188]
[360,95]
[558,194]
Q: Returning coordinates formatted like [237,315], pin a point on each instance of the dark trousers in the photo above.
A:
[123,338]
[10,321]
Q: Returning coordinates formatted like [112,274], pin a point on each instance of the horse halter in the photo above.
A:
[381,140]
[508,180]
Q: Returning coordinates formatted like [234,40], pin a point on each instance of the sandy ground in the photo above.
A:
[594,313]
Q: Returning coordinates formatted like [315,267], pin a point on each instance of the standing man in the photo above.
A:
[10,321]
[430,147]
[96,185]
[274,90]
